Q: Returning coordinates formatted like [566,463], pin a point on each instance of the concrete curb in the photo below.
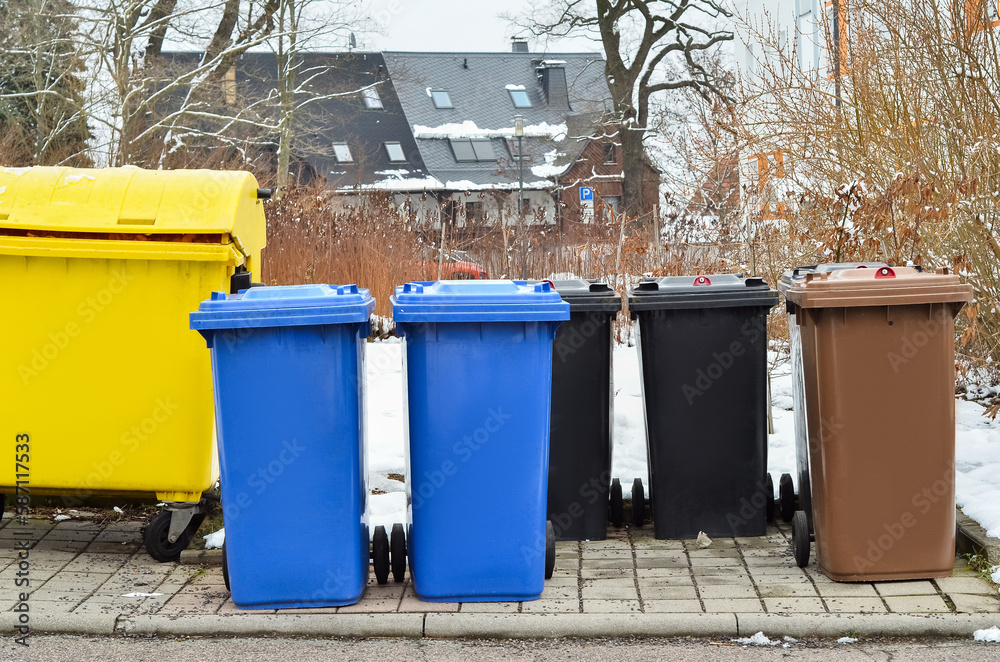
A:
[868,625]
[517,626]
[543,626]
[201,557]
[314,625]
[103,624]
[971,538]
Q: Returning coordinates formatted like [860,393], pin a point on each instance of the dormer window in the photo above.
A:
[372,99]
[342,152]
[468,150]
[441,99]
[395,152]
[519,97]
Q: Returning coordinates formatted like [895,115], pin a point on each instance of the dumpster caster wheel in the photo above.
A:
[380,555]
[769,489]
[638,504]
[397,552]
[617,505]
[550,550]
[786,497]
[800,538]
[225,568]
[157,537]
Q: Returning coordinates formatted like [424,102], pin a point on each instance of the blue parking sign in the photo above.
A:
[586,194]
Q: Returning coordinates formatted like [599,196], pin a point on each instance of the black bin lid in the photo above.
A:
[588,295]
[707,291]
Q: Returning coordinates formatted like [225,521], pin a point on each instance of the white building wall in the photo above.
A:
[794,26]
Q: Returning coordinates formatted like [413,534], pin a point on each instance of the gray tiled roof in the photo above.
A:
[477,84]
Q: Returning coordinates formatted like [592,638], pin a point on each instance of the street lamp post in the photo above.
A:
[519,132]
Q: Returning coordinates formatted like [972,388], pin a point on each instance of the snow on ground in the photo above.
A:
[758,639]
[993,634]
[978,438]
[977,463]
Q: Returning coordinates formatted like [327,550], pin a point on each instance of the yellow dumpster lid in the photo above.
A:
[132,200]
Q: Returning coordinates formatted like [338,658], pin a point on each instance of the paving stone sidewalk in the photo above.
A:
[85,567]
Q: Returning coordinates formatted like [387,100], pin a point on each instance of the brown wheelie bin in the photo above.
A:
[878,361]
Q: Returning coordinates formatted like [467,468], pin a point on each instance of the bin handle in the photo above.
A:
[885,272]
[702,280]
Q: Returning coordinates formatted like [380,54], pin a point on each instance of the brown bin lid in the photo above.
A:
[880,286]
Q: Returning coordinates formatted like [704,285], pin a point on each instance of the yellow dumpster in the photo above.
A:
[104,389]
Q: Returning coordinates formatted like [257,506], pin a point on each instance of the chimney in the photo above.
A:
[518,45]
[552,74]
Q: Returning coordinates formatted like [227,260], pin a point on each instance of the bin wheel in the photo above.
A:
[617,505]
[397,552]
[786,497]
[157,537]
[380,555]
[225,568]
[638,504]
[550,550]
[769,489]
[800,538]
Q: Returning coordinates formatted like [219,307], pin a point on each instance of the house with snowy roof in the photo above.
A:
[437,134]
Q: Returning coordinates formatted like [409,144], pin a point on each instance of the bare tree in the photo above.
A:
[41,105]
[899,158]
[651,47]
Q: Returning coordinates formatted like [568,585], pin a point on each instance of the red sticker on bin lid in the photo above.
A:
[702,280]
[885,272]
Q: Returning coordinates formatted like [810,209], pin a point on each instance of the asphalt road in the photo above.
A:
[123,649]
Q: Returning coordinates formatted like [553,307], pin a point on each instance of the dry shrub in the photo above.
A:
[905,169]
[309,242]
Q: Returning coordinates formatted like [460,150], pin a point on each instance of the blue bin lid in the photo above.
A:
[478,301]
[284,305]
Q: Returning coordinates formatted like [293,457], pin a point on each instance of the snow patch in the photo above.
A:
[215,540]
[977,465]
[3,189]
[469,129]
[757,640]
[993,635]
[514,87]
[60,518]
[549,168]
[995,574]
[847,640]
[16,172]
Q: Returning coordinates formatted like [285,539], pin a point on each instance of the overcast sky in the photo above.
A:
[453,25]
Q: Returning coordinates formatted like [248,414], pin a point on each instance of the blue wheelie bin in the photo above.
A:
[291,448]
[478,366]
